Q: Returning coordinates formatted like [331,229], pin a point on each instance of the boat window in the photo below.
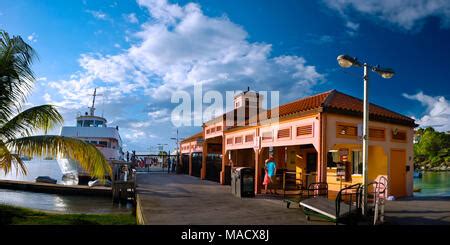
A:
[93,142]
[103,143]
[98,123]
[88,123]
[79,123]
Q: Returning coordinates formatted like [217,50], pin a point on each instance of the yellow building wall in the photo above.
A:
[377,161]
[377,166]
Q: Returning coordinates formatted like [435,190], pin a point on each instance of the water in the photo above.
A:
[54,202]
[433,184]
[36,167]
[61,203]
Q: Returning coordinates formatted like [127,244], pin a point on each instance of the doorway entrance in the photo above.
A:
[397,173]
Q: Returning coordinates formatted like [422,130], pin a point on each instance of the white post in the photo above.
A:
[365,136]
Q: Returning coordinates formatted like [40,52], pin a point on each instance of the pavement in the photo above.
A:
[171,199]
[418,211]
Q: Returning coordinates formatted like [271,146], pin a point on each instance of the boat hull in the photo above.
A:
[71,169]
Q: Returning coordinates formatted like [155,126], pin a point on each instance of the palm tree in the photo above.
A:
[17,126]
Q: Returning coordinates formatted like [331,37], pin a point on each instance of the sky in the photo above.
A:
[138,53]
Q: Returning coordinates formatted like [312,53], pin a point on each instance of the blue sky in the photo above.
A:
[138,52]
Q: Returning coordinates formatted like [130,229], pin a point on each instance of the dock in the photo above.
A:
[172,199]
[56,188]
[123,182]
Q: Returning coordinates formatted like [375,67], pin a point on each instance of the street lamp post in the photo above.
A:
[178,146]
[346,61]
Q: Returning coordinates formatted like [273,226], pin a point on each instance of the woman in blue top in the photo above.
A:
[271,171]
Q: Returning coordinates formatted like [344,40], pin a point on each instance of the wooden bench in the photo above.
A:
[346,206]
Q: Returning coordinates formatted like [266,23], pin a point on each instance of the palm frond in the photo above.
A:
[43,117]
[16,76]
[9,161]
[87,155]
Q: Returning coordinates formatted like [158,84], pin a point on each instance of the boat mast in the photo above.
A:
[92,108]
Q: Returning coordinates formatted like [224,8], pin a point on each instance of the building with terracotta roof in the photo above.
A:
[319,138]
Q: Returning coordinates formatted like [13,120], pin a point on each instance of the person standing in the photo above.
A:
[270,177]
[174,164]
[168,164]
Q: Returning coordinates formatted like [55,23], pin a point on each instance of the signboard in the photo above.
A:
[257,143]
[343,154]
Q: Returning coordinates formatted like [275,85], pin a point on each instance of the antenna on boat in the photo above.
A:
[92,108]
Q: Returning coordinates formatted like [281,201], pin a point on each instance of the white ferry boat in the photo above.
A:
[92,129]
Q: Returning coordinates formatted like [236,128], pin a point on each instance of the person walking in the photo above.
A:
[270,175]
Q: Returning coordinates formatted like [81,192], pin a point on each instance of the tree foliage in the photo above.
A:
[433,148]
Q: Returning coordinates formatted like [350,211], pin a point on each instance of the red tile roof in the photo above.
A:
[344,102]
[304,104]
[335,102]
[338,102]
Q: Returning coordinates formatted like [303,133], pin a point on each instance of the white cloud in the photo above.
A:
[41,79]
[139,124]
[326,39]
[98,14]
[405,14]
[134,136]
[183,46]
[177,47]
[352,25]
[132,18]
[47,98]
[437,113]
[32,37]
[162,115]
[113,4]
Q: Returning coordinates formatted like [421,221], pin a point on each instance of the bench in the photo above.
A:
[346,206]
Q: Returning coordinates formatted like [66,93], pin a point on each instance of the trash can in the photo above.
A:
[242,182]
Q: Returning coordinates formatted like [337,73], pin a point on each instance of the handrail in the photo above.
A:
[353,190]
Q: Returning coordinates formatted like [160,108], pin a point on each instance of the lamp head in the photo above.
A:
[384,72]
[346,61]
